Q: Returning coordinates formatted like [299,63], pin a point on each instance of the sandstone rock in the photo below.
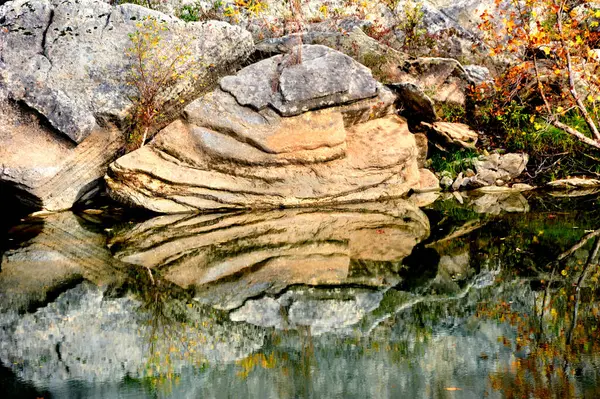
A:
[453,134]
[428,182]
[423,146]
[227,258]
[422,200]
[307,78]
[228,156]
[170,175]
[67,59]
[45,169]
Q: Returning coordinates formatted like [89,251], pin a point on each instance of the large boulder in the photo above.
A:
[306,78]
[234,150]
[45,169]
[67,60]
[382,59]
[64,65]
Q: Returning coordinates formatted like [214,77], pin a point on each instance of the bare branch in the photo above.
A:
[586,116]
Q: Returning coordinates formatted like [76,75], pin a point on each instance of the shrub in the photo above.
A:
[155,71]
[552,70]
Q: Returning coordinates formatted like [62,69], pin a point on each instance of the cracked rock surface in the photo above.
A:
[63,69]
[66,59]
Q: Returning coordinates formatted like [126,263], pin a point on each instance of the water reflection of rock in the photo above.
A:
[492,202]
[60,254]
[85,335]
[323,310]
[230,257]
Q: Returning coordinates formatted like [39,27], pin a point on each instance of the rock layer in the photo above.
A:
[234,151]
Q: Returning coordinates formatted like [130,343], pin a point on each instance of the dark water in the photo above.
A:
[496,297]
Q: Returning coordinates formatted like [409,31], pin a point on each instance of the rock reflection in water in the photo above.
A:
[228,258]
[59,253]
[491,305]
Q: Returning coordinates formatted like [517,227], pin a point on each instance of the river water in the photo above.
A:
[493,297]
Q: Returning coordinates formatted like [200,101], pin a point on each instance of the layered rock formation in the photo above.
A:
[67,62]
[264,140]
[228,258]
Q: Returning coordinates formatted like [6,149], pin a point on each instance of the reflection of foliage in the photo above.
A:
[557,336]
[173,335]
[255,360]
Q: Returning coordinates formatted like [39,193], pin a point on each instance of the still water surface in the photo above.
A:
[496,297]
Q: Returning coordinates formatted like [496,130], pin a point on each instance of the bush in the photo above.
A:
[553,68]
[155,71]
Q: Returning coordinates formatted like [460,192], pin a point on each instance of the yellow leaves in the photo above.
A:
[324,10]
[597,14]
[156,70]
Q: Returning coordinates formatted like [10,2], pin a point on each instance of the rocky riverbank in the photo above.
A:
[328,115]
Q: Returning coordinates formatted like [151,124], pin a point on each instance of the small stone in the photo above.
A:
[446,182]
[522,187]
[458,197]
[458,182]
[500,182]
